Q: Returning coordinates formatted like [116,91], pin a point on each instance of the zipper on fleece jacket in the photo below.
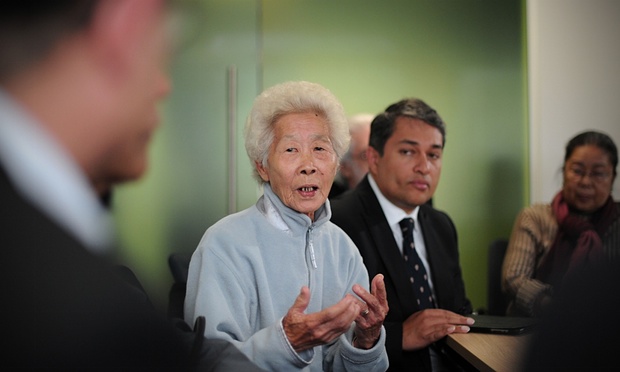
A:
[310,247]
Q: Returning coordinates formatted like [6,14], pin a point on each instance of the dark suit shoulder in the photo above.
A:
[352,204]
[66,308]
[344,198]
[436,217]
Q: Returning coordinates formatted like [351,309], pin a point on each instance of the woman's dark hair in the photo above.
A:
[598,139]
[382,126]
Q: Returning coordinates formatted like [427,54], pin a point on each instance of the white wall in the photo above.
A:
[574,82]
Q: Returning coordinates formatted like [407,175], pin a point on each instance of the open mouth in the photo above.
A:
[308,188]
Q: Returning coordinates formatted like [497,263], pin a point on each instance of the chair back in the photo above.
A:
[179,267]
[496,299]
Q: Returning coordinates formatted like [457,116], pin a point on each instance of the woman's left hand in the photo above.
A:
[370,320]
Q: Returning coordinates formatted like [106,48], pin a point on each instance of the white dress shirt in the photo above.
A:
[394,215]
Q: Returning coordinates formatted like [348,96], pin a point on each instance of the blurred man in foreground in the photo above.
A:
[79,84]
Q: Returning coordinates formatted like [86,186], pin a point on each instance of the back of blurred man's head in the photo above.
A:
[30,28]
[91,72]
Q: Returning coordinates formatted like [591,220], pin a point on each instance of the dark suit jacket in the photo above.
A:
[64,308]
[359,214]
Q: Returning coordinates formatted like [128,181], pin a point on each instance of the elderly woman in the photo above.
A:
[580,227]
[279,280]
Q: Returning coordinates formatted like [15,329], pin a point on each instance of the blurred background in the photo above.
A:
[504,75]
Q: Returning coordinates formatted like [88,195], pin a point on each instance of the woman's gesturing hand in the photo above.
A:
[370,319]
[305,331]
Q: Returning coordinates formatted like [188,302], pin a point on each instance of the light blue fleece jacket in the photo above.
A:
[250,266]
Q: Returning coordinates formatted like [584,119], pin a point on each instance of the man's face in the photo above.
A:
[146,83]
[409,170]
[355,168]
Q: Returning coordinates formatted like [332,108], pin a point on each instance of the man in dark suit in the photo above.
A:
[79,84]
[404,159]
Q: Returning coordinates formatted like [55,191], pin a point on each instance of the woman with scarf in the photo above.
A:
[580,228]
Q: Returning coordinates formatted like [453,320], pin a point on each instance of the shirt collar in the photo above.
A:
[44,173]
[393,214]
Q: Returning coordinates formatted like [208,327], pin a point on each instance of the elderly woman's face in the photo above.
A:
[302,163]
[588,177]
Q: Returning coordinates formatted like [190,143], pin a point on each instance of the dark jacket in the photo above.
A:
[359,214]
[64,308]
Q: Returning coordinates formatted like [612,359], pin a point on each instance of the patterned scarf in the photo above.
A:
[578,241]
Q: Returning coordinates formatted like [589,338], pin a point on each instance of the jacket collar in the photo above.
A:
[286,219]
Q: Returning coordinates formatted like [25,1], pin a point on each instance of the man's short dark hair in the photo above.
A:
[29,29]
[383,124]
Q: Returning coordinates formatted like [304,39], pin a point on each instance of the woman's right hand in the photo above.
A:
[305,331]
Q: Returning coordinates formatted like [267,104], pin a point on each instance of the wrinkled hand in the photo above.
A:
[305,331]
[427,326]
[368,325]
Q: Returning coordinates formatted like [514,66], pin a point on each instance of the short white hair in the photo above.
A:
[359,120]
[290,98]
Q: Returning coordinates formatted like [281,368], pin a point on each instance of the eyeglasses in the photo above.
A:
[595,176]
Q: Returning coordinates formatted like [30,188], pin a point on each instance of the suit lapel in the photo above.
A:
[386,247]
[437,259]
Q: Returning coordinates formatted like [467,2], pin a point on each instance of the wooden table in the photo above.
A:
[490,352]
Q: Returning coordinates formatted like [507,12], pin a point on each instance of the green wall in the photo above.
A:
[186,188]
[464,58]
